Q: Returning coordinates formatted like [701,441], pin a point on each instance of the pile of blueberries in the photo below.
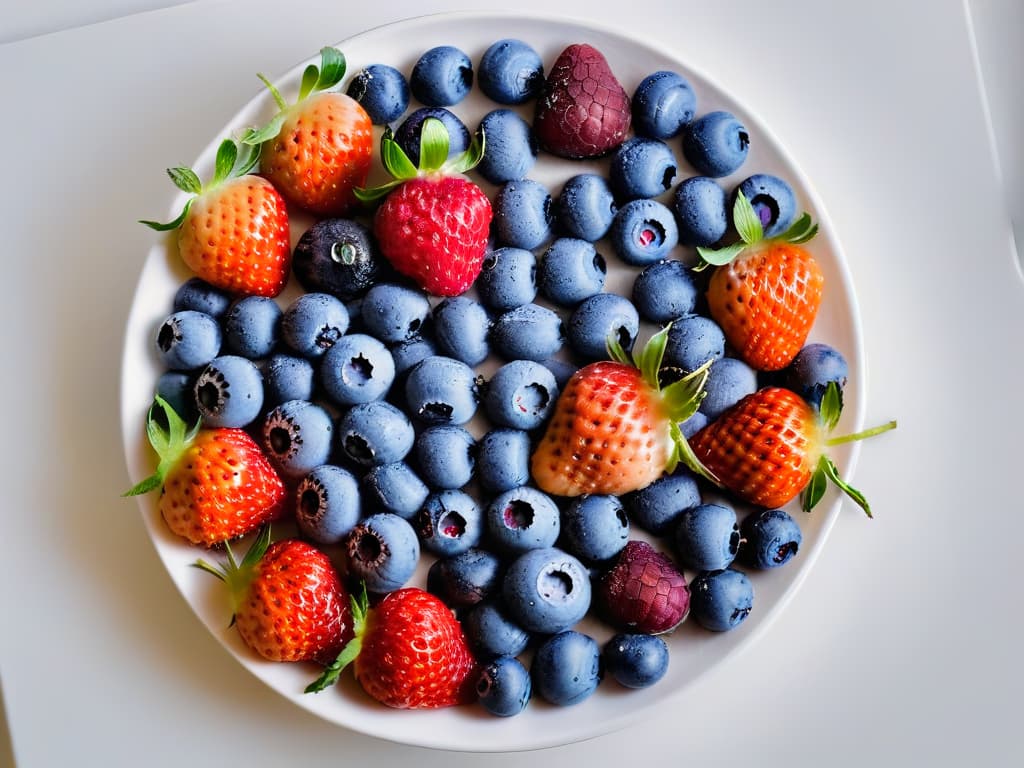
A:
[369,397]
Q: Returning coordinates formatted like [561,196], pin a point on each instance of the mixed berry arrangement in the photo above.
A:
[457,389]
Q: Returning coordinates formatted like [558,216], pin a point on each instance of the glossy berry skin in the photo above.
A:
[641,168]
[503,459]
[504,687]
[546,590]
[701,210]
[188,340]
[522,519]
[449,523]
[813,369]
[382,550]
[529,332]
[357,369]
[287,377]
[643,591]
[445,456]
[595,528]
[663,104]
[664,291]
[596,318]
[382,91]
[492,633]
[586,206]
[375,433]
[729,381]
[511,150]
[408,134]
[312,323]
[657,507]
[707,537]
[693,425]
[409,352]
[721,600]
[327,504]
[461,327]
[566,668]
[252,327]
[510,72]
[337,256]
[582,111]
[195,293]
[773,201]
[441,390]
[692,341]
[229,392]
[508,279]
[771,538]
[394,313]
[465,578]
[395,488]
[442,76]
[523,214]
[520,395]
[643,232]
[635,660]
[716,144]
[571,270]
[297,437]
[177,388]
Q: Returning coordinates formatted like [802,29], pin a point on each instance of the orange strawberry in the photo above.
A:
[408,652]
[288,602]
[614,430]
[770,447]
[318,150]
[233,232]
[765,294]
[215,484]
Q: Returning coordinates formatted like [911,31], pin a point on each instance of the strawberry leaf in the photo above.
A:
[832,471]
[650,357]
[717,257]
[831,406]
[434,144]
[310,76]
[332,68]
[267,132]
[227,154]
[747,222]
[682,452]
[682,398]
[169,443]
[332,672]
[470,158]
[615,351]
[186,180]
[815,487]
[801,230]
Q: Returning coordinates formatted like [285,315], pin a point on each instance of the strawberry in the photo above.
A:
[408,652]
[215,484]
[233,232]
[318,150]
[765,293]
[582,111]
[288,602]
[614,430]
[770,447]
[434,223]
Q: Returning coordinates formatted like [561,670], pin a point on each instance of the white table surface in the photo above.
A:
[902,646]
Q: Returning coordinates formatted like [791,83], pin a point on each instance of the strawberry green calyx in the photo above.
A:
[238,575]
[232,162]
[169,436]
[360,608]
[826,469]
[434,145]
[751,231]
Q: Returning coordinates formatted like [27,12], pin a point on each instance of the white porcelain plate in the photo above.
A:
[693,651]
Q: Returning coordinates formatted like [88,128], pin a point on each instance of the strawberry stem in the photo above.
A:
[863,434]
[278,98]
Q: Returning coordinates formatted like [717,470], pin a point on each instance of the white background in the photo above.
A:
[901,647]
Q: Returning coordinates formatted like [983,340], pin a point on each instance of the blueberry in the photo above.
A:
[442,76]
[178,389]
[510,148]
[374,433]
[508,279]
[510,72]
[520,395]
[729,381]
[394,313]
[571,270]
[663,104]
[586,207]
[771,538]
[296,437]
[657,507]
[566,668]
[642,167]
[643,231]
[503,459]
[441,390]
[445,456]
[327,504]
[195,293]
[410,351]
[382,91]
[337,256]
[664,291]
[522,214]
[449,523]
[188,340]
[702,211]
[721,600]
[522,519]
[492,633]
[597,318]
[466,578]
[408,134]
[357,369]
[773,201]
[229,392]
[313,322]
[504,687]
[546,590]
[286,377]
[693,425]
[707,537]
[528,332]
[716,144]
[594,527]
[395,488]
[383,551]
[461,327]
[813,369]
[692,341]
[635,660]
[251,327]
[562,370]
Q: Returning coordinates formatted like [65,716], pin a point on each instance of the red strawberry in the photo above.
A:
[233,232]
[765,294]
[289,604]
[318,150]
[434,223]
[215,484]
[614,430]
[769,447]
[409,652]
[643,591]
[582,111]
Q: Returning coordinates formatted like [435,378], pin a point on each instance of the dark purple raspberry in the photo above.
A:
[643,591]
